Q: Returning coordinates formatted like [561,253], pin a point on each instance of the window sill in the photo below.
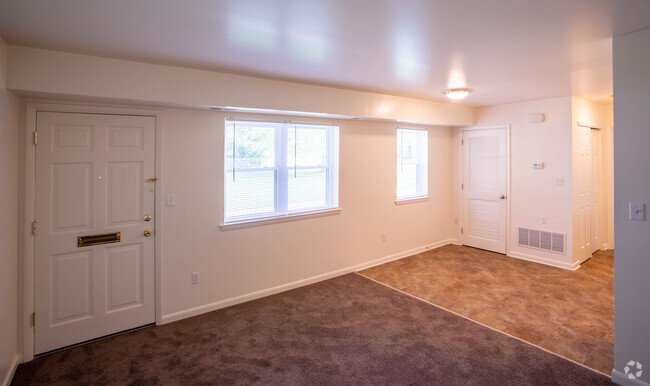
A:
[279,219]
[411,200]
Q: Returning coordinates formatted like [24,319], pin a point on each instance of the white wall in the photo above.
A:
[37,72]
[533,193]
[237,263]
[242,261]
[9,108]
[632,175]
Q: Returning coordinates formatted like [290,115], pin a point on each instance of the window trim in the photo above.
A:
[412,200]
[279,219]
[331,167]
[418,197]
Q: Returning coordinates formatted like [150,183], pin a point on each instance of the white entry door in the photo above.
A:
[90,193]
[485,189]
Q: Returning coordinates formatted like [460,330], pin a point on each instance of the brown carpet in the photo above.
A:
[570,313]
[348,330]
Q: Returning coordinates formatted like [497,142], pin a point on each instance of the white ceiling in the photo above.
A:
[505,50]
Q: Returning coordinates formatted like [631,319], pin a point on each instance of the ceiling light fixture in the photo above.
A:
[457,93]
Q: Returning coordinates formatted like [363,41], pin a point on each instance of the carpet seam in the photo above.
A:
[484,325]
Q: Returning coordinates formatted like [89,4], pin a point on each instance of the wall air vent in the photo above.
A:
[547,241]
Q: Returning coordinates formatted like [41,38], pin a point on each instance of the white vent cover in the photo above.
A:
[547,241]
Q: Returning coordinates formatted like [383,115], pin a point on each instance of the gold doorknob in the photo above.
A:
[147,217]
[152,180]
[147,232]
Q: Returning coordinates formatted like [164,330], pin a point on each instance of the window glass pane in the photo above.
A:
[249,146]
[307,146]
[250,169]
[307,189]
[250,192]
[407,180]
[412,162]
[276,169]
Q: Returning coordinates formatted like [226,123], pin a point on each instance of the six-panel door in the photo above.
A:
[90,180]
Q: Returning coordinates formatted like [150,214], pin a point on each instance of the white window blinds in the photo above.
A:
[412,163]
[276,169]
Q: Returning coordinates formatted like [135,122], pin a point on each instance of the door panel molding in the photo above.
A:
[26,238]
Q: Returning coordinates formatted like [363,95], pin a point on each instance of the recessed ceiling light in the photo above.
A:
[457,93]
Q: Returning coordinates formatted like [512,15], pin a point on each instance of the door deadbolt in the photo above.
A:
[147,217]
[147,232]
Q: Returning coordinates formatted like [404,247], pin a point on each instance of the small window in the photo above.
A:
[412,162]
[279,169]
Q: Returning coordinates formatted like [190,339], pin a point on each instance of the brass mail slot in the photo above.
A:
[104,238]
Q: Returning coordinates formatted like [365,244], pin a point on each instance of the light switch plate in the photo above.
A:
[637,211]
[559,181]
[171,199]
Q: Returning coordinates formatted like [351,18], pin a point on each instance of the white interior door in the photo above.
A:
[485,189]
[597,189]
[90,179]
[585,197]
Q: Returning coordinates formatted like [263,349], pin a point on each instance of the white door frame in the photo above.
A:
[506,127]
[30,191]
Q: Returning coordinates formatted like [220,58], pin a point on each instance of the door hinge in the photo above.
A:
[34,228]
[461,231]
[35,137]
[33,319]
[462,186]
[462,142]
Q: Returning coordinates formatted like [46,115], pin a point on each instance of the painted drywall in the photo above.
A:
[9,108]
[632,184]
[43,72]
[533,193]
[594,115]
[238,262]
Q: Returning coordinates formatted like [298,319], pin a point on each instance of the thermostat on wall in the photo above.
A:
[538,165]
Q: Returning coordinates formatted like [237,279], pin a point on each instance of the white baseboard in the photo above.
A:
[621,379]
[12,370]
[300,283]
[544,260]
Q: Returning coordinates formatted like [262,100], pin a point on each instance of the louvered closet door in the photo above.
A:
[485,189]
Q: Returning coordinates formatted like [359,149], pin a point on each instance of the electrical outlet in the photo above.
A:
[543,219]
[196,277]
[383,236]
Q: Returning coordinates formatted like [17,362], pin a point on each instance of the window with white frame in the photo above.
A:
[412,162]
[279,169]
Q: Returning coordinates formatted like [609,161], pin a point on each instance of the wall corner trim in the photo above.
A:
[300,283]
[621,379]
[12,370]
